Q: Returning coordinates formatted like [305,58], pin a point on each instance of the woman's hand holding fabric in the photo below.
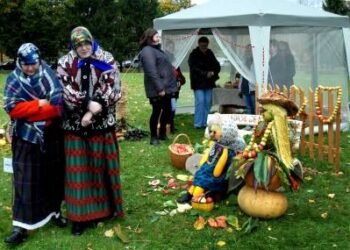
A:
[87,119]
[43,102]
[94,107]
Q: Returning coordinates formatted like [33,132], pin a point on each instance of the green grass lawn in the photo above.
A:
[302,227]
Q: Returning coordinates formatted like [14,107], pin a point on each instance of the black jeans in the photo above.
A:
[161,112]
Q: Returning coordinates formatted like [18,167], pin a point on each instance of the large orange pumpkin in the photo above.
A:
[261,203]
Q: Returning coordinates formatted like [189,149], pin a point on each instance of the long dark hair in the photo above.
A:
[146,38]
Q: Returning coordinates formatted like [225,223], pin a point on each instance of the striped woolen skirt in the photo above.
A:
[92,185]
[38,179]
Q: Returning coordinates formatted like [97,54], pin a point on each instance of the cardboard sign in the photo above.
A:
[8,165]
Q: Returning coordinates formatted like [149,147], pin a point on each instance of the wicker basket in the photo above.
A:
[178,160]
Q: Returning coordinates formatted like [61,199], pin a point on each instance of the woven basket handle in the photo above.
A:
[184,135]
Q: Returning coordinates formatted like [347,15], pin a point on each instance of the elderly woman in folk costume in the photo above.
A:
[91,89]
[267,161]
[33,98]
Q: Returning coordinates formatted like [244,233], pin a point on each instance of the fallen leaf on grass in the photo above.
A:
[120,234]
[169,203]
[167,175]
[149,177]
[172,183]
[338,173]
[164,212]
[312,201]
[308,178]
[324,215]
[269,228]
[233,221]
[249,225]
[200,223]
[272,238]
[173,212]
[89,246]
[221,221]
[183,177]
[221,243]
[212,222]
[154,183]
[331,196]
[109,233]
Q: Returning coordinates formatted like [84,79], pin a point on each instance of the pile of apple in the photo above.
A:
[180,148]
[202,199]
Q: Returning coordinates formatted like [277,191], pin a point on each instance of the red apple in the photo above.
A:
[209,200]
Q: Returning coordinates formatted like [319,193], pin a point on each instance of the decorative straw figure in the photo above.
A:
[211,177]
[267,162]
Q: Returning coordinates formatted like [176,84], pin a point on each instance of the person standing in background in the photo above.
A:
[288,64]
[33,100]
[159,81]
[91,89]
[247,88]
[204,71]
[180,79]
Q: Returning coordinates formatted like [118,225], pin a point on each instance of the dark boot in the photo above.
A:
[163,137]
[59,221]
[78,228]
[172,123]
[17,236]
[186,198]
[154,141]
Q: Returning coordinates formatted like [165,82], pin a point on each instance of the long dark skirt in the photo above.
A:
[38,179]
[92,189]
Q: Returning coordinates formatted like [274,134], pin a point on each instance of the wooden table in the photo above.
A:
[228,100]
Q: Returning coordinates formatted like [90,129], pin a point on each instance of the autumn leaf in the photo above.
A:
[312,201]
[182,177]
[324,215]
[120,234]
[109,233]
[308,178]
[200,223]
[212,222]
[167,175]
[221,221]
[331,196]
[221,243]
[233,221]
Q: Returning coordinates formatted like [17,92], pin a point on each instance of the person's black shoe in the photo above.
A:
[60,221]
[78,228]
[154,141]
[163,137]
[17,236]
[186,198]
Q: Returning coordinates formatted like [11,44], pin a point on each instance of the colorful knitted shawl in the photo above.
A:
[20,88]
[104,88]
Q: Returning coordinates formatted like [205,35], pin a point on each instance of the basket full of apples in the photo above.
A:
[202,203]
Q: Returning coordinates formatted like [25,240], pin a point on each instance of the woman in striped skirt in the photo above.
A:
[33,99]
[91,89]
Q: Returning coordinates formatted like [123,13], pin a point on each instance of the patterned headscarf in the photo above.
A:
[28,53]
[80,34]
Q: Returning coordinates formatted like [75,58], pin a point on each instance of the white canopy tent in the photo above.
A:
[319,41]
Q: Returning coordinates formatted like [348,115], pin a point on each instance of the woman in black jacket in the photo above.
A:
[160,83]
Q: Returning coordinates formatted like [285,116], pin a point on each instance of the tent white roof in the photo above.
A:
[228,13]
